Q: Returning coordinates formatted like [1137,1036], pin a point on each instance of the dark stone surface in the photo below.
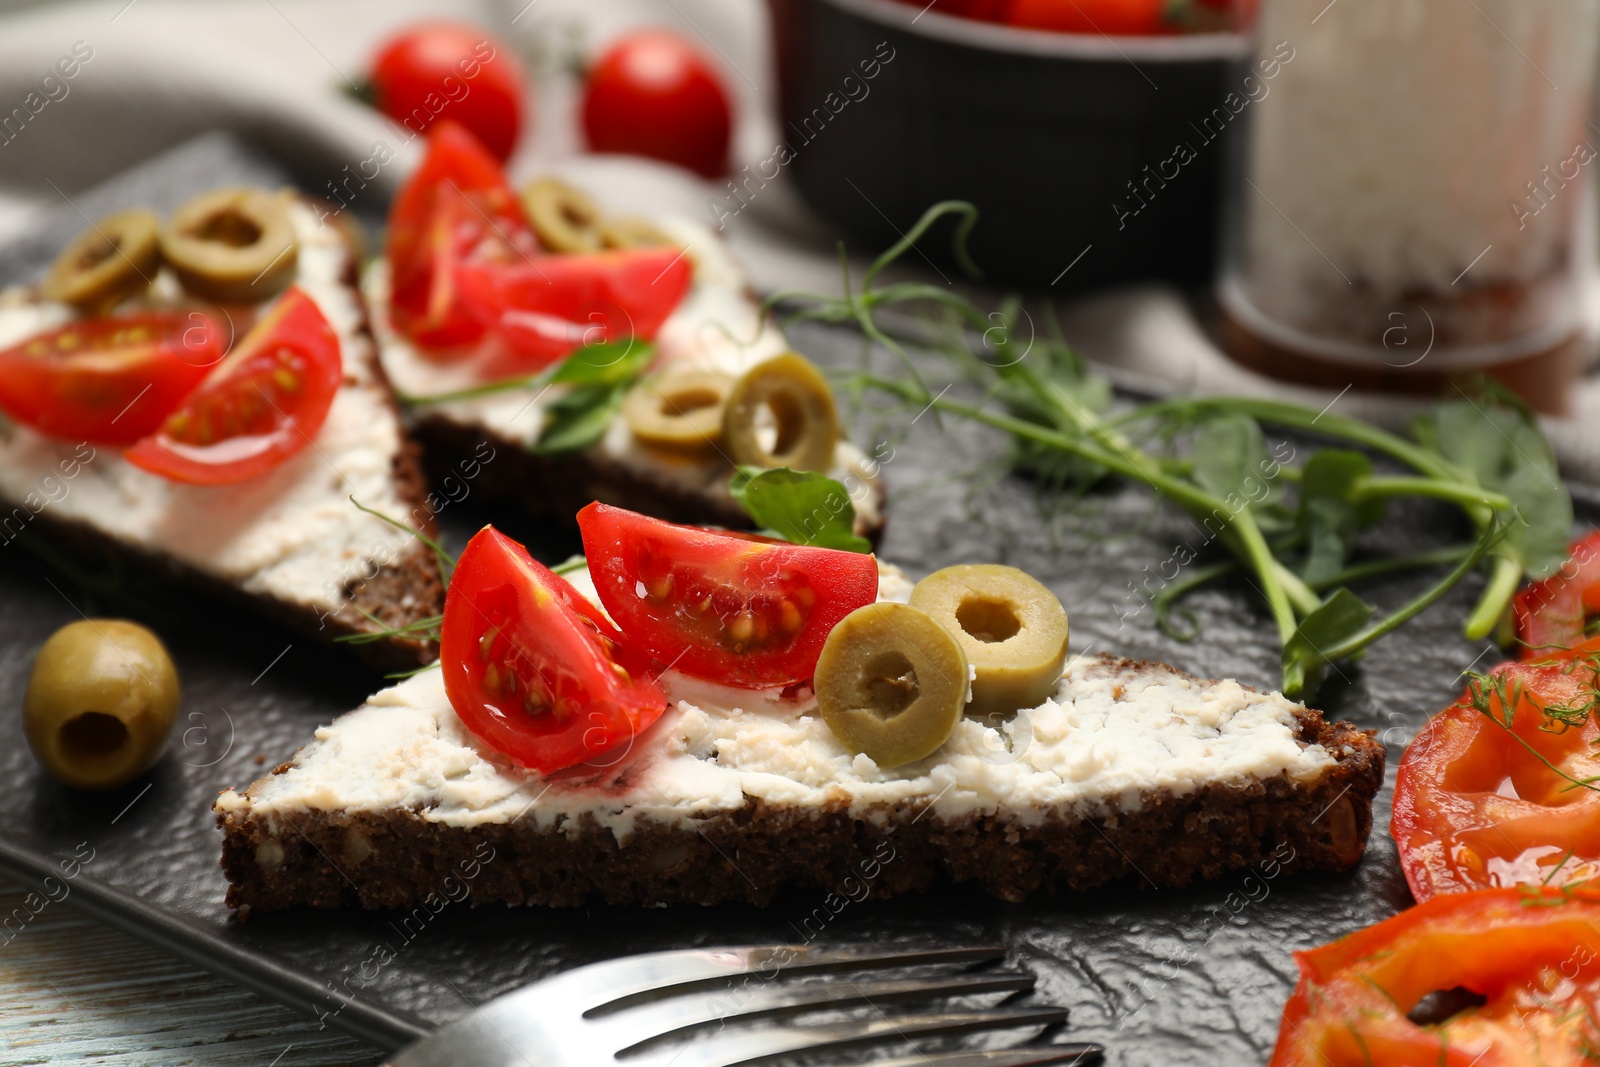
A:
[1164,978]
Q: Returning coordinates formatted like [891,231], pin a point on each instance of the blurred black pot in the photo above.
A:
[1069,144]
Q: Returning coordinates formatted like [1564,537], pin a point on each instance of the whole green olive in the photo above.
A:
[100,703]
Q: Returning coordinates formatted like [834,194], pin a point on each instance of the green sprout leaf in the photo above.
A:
[1230,453]
[1498,444]
[1332,510]
[1305,658]
[804,507]
[600,376]
[607,363]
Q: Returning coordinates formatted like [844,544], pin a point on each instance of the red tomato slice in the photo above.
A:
[263,403]
[1112,17]
[1485,794]
[1534,954]
[1552,614]
[110,380]
[457,208]
[543,309]
[533,668]
[733,608]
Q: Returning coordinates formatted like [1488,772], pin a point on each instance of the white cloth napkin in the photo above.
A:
[150,74]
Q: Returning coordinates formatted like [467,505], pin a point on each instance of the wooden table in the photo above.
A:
[74,991]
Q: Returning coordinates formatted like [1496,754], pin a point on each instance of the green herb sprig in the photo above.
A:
[1481,451]
[595,379]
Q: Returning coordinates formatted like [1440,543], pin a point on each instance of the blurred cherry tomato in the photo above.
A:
[446,69]
[653,95]
[982,10]
[1112,17]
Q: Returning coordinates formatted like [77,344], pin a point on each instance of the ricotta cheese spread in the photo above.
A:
[718,326]
[291,534]
[1108,738]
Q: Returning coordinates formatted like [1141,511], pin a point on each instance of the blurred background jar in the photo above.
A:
[1414,203]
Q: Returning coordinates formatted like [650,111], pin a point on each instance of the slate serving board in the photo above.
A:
[1162,978]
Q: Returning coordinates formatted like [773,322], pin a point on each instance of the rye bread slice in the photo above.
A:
[1135,773]
[289,545]
[719,326]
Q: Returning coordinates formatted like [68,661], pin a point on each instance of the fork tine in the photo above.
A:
[781,1040]
[1083,1052]
[616,984]
[645,1024]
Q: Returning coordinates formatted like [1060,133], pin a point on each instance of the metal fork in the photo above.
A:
[648,1011]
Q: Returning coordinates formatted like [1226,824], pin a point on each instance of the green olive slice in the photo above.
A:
[115,258]
[1012,629]
[682,410]
[234,245]
[564,218]
[891,682]
[100,703]
[630,231]
[781,414]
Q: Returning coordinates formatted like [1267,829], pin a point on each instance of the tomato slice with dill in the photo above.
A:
[1554,613]
[533,668]
[457,208]
[110,380]
[262,404]
[543,309]
[730,607]
[1500,788]
[1532,955]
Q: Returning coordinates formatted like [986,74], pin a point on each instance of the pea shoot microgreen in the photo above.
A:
[804,507]
[1481,450]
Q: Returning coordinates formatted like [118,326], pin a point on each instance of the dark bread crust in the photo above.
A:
[554,488]
[405,590]
[393,860]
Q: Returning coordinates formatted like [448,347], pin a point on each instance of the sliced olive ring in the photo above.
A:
[781,414]
[113,259]
[101,703]
[891,682]
[630,231]
[235,245]
[565,219]
[1012,629]
[682,410]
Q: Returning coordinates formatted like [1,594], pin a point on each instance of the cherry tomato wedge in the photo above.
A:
[262,404]
[1533,954]
[109,380]
[1486,794]
[446,70]
[533,668]
[1554,613]
[734,608]
[544,309]
[653,94]
[457,208]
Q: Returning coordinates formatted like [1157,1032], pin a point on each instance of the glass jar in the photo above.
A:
[1414,200]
